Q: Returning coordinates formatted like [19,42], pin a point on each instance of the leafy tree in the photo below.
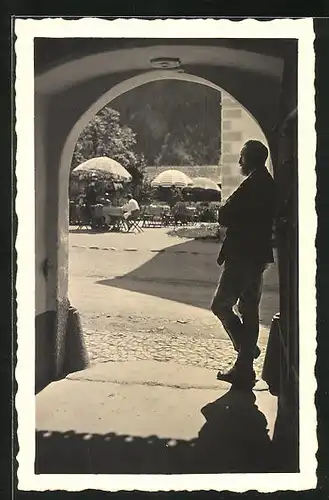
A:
[106,136]
[145,193]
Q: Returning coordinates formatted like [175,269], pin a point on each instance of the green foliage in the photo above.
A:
[145,193]
[106,136]
[207,213]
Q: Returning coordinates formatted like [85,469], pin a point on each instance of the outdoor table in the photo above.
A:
[191,210]
[154,214]
[114,216]
[184,213]
[167,217]
[165,210]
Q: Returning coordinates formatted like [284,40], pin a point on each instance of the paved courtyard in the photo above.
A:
[150,401]
[146,297]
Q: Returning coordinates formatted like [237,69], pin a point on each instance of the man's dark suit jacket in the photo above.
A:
[248,215]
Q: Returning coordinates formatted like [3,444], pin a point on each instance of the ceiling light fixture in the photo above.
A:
[165,62]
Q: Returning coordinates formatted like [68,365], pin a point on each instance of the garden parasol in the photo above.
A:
[170,178]
[204,183]
[107,167]
[204,189]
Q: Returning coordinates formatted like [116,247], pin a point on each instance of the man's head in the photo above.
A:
[129,196]
[253,155]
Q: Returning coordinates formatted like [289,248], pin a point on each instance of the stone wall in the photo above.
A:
[238,126]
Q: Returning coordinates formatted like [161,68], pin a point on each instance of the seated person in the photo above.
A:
[206,214]
[91,194]
[82,208]
[107,200]
[90,199]
[131,210]
[81,200]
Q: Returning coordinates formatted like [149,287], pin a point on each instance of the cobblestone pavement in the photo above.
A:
[160,343]
[158,308]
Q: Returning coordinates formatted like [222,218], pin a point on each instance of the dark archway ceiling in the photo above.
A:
[50,52]
[75,72]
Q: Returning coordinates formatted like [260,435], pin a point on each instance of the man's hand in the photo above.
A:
[219,260]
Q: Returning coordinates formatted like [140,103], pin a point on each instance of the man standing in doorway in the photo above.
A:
[248,215]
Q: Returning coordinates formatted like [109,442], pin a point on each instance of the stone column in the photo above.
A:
[238,126]
[231,135]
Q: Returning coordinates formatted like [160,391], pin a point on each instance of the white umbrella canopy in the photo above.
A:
[205,183]
[106,166]
[170,178]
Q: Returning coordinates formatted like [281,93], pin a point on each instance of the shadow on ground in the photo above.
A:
[188,273]
[233,439]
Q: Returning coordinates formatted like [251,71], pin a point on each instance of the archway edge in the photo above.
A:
[119,61]
[121,88]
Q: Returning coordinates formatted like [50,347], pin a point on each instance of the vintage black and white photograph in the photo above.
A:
[165,286]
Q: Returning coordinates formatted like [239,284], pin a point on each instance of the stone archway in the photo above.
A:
[63,183]
[62,109]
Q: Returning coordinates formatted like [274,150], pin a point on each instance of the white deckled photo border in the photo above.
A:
[26,30]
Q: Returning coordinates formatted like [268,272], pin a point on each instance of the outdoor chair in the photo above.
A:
[73,219]
[134,222]
[113,217]
[153,216]
[184,214]
[167,217]
[145,216]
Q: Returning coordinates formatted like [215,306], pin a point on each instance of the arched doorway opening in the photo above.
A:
[108,97]
[58,124]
